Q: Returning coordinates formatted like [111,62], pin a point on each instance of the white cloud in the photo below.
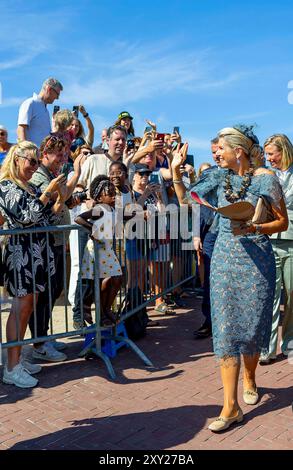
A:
[138,72]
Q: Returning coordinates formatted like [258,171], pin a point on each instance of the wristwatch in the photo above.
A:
[257,229]
[85,115]
[48,194]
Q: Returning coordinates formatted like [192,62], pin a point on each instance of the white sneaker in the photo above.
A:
[19,376]
[47,352]
[30,367]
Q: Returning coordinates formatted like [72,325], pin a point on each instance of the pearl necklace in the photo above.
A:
[230,194]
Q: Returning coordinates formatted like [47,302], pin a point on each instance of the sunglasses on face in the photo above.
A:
[32,161]
[86,153]
[3,133]
[144,174]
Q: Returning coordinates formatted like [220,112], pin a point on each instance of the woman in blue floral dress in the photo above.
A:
[243,265]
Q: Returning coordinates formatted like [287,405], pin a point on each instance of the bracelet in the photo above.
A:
[177,181]
[86,115]
[48,194]
[257,229]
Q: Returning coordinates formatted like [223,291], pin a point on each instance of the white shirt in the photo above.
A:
[34,114]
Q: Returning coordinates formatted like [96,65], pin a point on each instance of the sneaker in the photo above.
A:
[59,345]
[19,376]
[47,352]
[30,367]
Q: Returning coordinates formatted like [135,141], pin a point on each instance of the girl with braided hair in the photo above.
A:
[100,222]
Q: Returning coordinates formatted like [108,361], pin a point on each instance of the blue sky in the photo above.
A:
[200,65]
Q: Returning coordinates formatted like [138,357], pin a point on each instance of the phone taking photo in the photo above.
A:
[75,110]
[148,129]
[56,109]
[160,137]
[176,130]
[154,178]
[65,169]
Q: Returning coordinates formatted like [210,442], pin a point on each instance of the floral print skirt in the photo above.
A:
[26,261]
[243,276]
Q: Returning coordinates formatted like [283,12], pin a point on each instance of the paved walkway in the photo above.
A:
[76,406]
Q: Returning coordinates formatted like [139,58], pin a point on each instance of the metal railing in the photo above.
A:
[157,265]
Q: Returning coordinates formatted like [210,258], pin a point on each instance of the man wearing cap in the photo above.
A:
[4,144]
[33,118]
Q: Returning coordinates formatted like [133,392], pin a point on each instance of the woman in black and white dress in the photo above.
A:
[25,257]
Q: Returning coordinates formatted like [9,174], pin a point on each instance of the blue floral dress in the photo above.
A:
[243,272]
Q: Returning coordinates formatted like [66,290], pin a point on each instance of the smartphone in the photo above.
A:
[176,130]
[160,137]
[148,129]
[75,110]
[190,160]
[130,144]
[56,109]
[66,169]
[154,178]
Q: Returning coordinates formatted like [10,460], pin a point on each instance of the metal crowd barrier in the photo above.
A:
[160,265]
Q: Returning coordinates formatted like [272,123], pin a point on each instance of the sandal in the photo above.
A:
[163,308]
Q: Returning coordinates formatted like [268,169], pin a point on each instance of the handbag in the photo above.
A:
[263,211]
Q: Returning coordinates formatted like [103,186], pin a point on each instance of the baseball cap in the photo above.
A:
[142,168]
[124,114]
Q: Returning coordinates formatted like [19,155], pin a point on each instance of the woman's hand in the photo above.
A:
[242,227]
[82,110]
[55,183]
[179,156]
[155,145]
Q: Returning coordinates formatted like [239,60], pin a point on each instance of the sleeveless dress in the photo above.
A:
[243,272]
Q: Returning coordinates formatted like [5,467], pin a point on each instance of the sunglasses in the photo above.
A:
[3,133]
[55,140]
[86,153]
[143,173]
[32,161]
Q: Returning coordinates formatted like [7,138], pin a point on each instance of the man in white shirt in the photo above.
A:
[33,118]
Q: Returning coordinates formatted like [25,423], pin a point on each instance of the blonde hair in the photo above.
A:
[9,169]
[238,139]
[203,166]
[75,154]
[284,145]
[63,119]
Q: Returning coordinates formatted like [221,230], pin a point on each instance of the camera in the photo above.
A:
[76,198]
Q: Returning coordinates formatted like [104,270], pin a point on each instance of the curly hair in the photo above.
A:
[99,184]
[63,119]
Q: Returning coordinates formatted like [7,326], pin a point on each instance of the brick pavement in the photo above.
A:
[76,406]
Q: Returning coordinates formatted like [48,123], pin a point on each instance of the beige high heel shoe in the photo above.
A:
[220,424]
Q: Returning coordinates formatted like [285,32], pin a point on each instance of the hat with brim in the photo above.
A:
[123,115]
[142,168]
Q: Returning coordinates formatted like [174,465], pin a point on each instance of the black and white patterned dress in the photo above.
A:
[25,257]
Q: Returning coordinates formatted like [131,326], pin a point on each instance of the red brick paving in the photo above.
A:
[76,406]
